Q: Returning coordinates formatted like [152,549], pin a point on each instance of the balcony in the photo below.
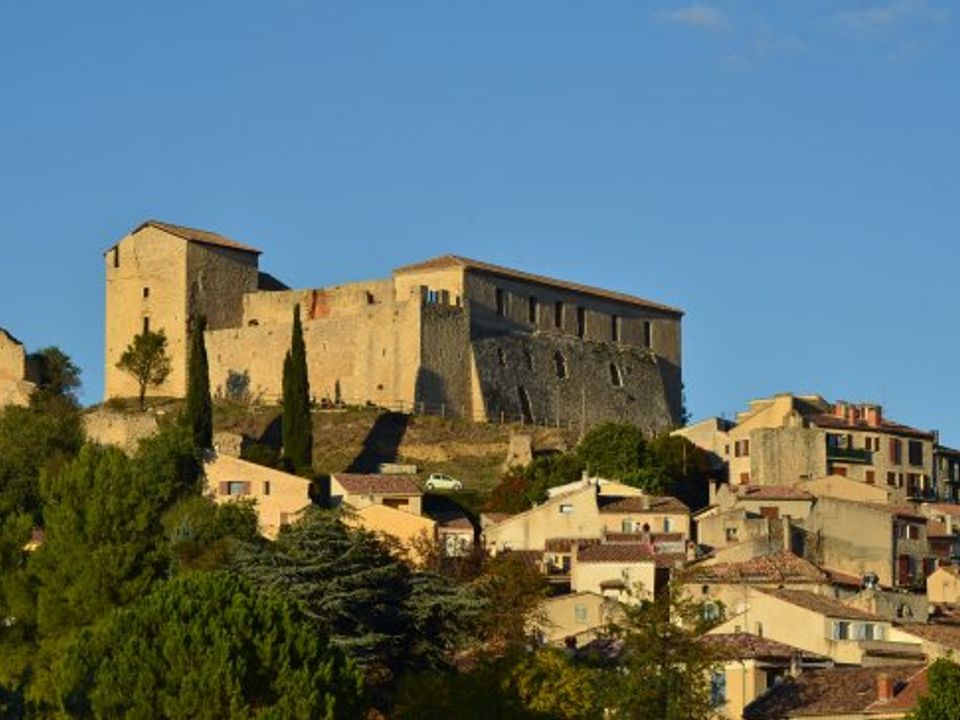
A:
[849,455]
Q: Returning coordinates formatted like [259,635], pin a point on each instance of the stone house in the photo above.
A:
[861,539]
[946,473]
[788,438]
[820,624]
[751,513]
[450,335]
[279,497]
[15,385]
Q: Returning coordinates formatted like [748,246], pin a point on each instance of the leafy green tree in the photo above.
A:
[203,535]
[297,422]
[208,645]
[663,672]
[550,685]
[615,451]
[147,361]
[513,590]
[943,697]
[378,610]
[677,466]
[198,413]
[54,373]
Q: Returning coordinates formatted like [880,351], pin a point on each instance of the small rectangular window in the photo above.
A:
[581,322]
[615,328]
[146,325]
[915,452]
[841,630]
[895,451]
[558,315]
[871,477]
[566,509]
[266,487]
[237,487]
[533,310]
[580,612]
[146,292]
[116,257]
[647,334]
[501,303]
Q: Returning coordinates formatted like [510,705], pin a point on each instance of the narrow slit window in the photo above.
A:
[146,292]
[146,325]
[615,328]
[500,303]
[616,376]
[647,334]
[561,363]
[558,315]
[533,310]
[116,257]
[581,322]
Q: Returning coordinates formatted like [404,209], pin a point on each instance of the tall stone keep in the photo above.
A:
[157,278]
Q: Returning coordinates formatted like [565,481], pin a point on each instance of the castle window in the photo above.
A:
[146,325]
[561,362]
[526,409]
[581,322]
[616,377]
[501,357]
[647,334]
[558,315]
[146,292]
[615,328]
[116,257]
[501,303]
[533,310]
[266,487]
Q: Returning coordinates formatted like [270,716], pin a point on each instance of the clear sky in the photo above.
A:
[786,172]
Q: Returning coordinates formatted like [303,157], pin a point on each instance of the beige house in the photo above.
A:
[820,624]
[861,539]
[789,438]
[943,586]
[458,336]
[574,619]
[627,572]
[748,666]
[573,515]
[279,497]
[15,387]
[758,514]
[644,514]
[407,529]
[400,492]
[841,487]
[867,693]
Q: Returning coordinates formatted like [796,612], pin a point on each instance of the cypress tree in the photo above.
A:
[297,424]
[199,410]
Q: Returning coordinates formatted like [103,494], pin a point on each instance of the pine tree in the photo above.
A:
[297,423]
[199,411]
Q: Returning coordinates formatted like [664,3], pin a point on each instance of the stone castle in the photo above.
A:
[16,374]
[450,335]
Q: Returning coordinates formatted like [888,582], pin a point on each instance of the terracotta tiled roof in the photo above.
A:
[837,423]
[781,567]
[531,558]
[831,691]
[565,545]
[460,523]
[615,553]
[495,517]
[937,529]
[639,537]
[204,237]
[945,634]
[356,484]
[741,646]
[842,578]
[828,606]
[641,504]
[772,492]
[456,261]
[945,508]
[906,699]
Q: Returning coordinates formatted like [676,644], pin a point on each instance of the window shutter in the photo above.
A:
[224,488]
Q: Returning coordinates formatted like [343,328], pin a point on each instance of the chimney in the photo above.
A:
[795,664]
[884,688]
[874,415]
[645,501]
[840,409]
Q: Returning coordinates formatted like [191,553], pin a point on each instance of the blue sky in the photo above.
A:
[787,172]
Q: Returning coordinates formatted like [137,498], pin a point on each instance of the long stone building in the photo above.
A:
[473,339]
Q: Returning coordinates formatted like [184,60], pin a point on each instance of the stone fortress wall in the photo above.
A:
[453,335]
[15,387]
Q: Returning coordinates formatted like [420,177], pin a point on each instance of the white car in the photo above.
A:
[439,481]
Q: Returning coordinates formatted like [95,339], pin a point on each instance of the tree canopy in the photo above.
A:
[297,422]
[146,359]
[943,697]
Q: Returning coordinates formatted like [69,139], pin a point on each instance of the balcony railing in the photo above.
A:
[850,455]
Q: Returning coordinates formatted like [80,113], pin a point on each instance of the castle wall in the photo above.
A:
[146,277]
[585,394]
[217,280]
[371,349]
[444,377]
[14,388]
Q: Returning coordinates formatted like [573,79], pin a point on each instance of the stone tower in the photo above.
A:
[159,276]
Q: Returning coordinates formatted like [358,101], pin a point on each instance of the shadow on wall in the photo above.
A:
[381,443]
[431,390]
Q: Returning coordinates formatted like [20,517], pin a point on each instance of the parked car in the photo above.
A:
[440,481]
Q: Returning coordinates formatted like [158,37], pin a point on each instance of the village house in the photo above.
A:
[820,624]
[400,492]
[788,438]
[755,514]
[943,586]
[861,539]
[279,498]
[867,693]
[627,572]
[574,619]
[748,666]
